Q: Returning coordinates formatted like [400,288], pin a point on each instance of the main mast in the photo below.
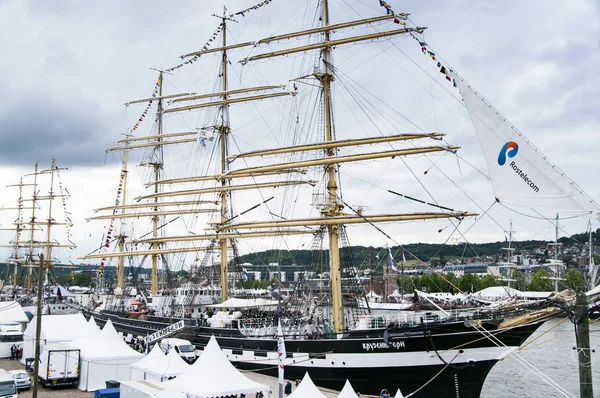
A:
[157,165]
[224,129]
[333,208]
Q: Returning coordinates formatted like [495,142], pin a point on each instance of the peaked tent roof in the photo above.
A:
[372,294]
[307,389]
[155,352]
[205,377]
[11,311]
[347,391]
[162,365]
[109,330]
[500,292]
[398,394]
[62,327]
[92,322]
[101,347]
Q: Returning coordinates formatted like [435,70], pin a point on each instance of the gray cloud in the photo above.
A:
[37,131]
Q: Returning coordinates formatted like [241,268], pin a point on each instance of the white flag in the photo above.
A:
[280,351]
[391,260]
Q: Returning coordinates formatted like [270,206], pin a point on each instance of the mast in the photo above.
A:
[509,251]
[18,230]
[223,136]
[593,271]
[121,264]
[334,207]
[558,266]
[31,234]
[157,164]
[49,222]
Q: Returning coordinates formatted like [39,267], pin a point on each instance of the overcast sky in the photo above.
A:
[67,67]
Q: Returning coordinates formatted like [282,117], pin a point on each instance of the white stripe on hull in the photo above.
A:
[376,359]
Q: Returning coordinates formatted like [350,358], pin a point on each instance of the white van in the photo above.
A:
[8,388]
[184,348]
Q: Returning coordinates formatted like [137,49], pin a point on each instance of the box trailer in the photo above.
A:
[59,365]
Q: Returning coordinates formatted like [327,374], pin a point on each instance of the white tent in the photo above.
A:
[56,329]
[398,394]
[93,323]
[347,391]
[109,330]
[496,293]
[372,294]
[104,358]
[307,389]
[155,352]
[11,311]
[212,375]
[158,366]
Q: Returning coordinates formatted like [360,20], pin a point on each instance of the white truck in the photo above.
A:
[59,365]
[184,348]
[8,388]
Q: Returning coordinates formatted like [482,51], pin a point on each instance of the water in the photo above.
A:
[554,356]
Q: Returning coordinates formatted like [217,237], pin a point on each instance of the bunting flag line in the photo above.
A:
[217,32]
[64,195]
[424,46]
[193,59]
[250,9]
[145,113]
[111,226]
[398,18]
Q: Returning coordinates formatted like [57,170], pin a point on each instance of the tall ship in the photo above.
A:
[252,164]
[41,228]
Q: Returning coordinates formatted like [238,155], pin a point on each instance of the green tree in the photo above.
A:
[468,283]
[450,282]
[573,280]
[81,279]
[540,281]
[65,280]
[487,281]
[520,281]
[405,283]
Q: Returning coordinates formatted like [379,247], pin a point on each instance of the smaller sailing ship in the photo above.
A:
[35,235]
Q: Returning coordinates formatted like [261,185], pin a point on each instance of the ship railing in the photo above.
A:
[375,321]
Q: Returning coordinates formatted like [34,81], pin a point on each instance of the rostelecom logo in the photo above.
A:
[509,149]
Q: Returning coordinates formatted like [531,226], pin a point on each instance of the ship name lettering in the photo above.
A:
[382,345]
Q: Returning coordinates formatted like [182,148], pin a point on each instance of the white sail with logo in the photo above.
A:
[520,173]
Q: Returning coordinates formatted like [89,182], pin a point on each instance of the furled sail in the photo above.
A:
[520,173]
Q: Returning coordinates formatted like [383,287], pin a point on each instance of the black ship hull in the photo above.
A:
[434,360]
